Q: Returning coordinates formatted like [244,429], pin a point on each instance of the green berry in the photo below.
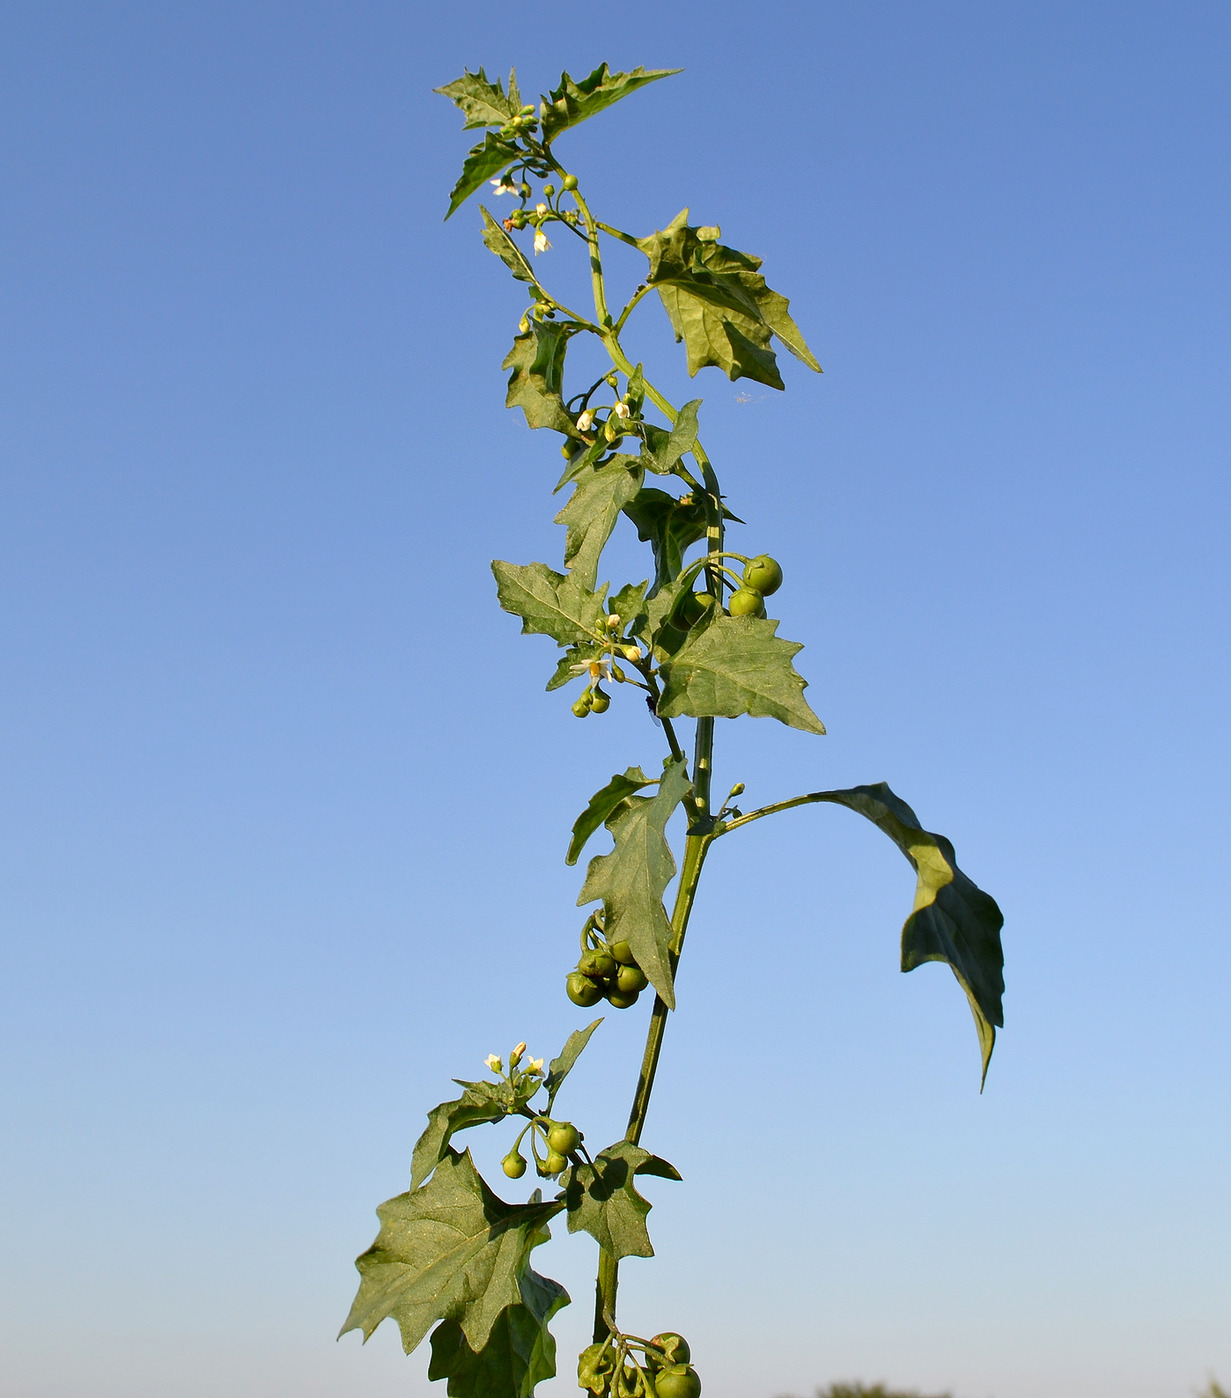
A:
[583,705]
[569,182]
[622,999]
[563,1137]
[581,990]
[674,1346]
[631,978]
[548,190]
[513,1165]
[763,575]
[677,1381]
[600,702]
[553,1164]
[623,953]
[746,602]
[597,965]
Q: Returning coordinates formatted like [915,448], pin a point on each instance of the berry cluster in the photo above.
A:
[612,1369]
[606,971]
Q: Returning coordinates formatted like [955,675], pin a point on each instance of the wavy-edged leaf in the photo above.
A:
[562,1065]
[549,603]
[483,103]
[481,164]
[600,493]
[719,304]
[499,242]
[520,1353]
[737,665]
[953,920]
[603,804]
[664,449]
[450,1250]
[603,1201]
[479,1104]
[632,879]
[574,102]
[670,525]
[537,362]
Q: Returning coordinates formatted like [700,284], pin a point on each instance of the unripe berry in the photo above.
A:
[746,602]
[513,1165]
[554,1163]
[569,182]
[563,1137]
[581,990]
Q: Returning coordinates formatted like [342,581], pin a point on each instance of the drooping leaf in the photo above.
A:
[719,304]
[482,102]
[603,1200]
[482,163]
[632,879]
[537,362]
[663,449]
[603,804]
[560,1067]
[953,920]
[737,665]
[574,102]
[450,1250]
[587,453]
[549,603]
[479,1104]
[520,1353]
[598,497]
[669,525]
[499,242]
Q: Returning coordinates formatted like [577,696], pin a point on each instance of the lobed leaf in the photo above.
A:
[520,1352]
[478,1105]
[483,103]
[453,1251]
[953,920]
[600,493]
[560,1067]
[603,804]
[632,879]
[537,362]
[549,603]
[482,163]
[719,304]
[574,102]
[664,449]
[670,525]
[737,665]
[602,1199]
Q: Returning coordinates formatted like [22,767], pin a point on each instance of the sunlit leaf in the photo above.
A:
[549,603]
[602,806]
[482,102]
[603,1201]
[537,362]
[574,102]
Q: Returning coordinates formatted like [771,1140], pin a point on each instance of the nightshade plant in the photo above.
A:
[693,643]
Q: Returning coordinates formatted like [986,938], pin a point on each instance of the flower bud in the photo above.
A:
[586,420]
[613,622]
[520,1049]
[623,411]
[493,1063]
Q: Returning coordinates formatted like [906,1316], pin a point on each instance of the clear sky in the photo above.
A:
[284,805]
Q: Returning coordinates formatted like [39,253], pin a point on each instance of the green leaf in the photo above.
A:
[499,242]
[632,879]
[737,665]
[591,513]
[719,304]
[520,1353]
[537,362]
[575,655]
[953,920]
[630,606]
[483,103]
[559,1068]
[479,1104]
[573,102]
[603,1200]
[663,450]
[603,804]
[449,1251]
[481,164]
[549,603]
[669,525]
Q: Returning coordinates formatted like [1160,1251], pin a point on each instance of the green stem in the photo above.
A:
[812,796]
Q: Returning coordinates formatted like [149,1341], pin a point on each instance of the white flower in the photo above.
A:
[540,209]
[503,185]
[534,1066]
[586,420]
[613,622]
[493,1063]
[540,241]
[623,411]
[598,669]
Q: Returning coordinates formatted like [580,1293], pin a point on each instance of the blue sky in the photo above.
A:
[284,805]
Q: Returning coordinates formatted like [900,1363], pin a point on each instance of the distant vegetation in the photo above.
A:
[878,1390]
